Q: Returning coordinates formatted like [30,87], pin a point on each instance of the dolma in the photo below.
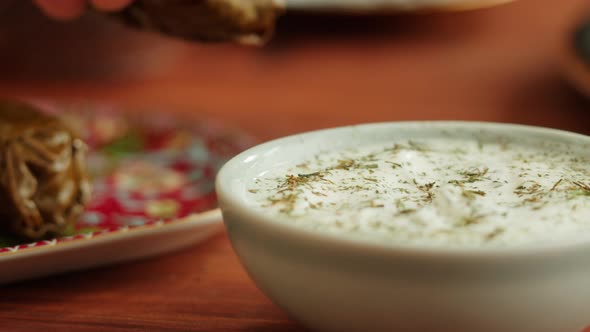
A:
[44,186]
[248,21]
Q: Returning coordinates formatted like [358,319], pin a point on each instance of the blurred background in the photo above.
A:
[504,63]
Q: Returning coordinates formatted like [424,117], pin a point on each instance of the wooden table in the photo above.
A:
[495,65]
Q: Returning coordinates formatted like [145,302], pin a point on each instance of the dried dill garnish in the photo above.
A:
[556,185]
[528,188]
[472,194]
[426,189]
[346,164]
[469,220]
[288,202]
[418,146]
[394,165]
[495,233]
[402,208]
[580,189]
[474,174]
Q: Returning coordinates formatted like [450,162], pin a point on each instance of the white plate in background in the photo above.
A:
[389,5]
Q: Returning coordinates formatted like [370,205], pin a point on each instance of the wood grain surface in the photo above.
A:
[500,64]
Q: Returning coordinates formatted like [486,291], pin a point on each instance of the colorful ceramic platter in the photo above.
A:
[153,192]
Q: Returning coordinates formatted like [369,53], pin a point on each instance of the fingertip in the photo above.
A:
[63,9]
[110,5]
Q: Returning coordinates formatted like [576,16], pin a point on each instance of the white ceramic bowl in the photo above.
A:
[337,284]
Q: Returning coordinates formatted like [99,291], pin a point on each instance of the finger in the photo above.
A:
[110,5]
[62,9]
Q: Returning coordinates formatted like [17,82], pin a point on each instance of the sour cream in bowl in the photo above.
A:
[419,226]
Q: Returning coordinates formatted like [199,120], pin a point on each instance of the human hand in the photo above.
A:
[70,9]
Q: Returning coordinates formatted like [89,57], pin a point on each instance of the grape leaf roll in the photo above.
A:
[44,186]
[250,21]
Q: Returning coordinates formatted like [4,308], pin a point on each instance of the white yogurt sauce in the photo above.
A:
[436,192]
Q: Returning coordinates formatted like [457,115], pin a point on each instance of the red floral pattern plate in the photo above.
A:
[153,192]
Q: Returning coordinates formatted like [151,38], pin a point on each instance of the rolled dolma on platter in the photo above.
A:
[249,21]
[44,186]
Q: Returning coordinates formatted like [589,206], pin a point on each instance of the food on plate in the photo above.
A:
[251,21]
[43,182]
[437,191]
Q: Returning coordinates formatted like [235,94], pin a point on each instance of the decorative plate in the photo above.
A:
[153,192]
[368,6]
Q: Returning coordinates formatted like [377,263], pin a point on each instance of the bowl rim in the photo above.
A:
[292,232]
